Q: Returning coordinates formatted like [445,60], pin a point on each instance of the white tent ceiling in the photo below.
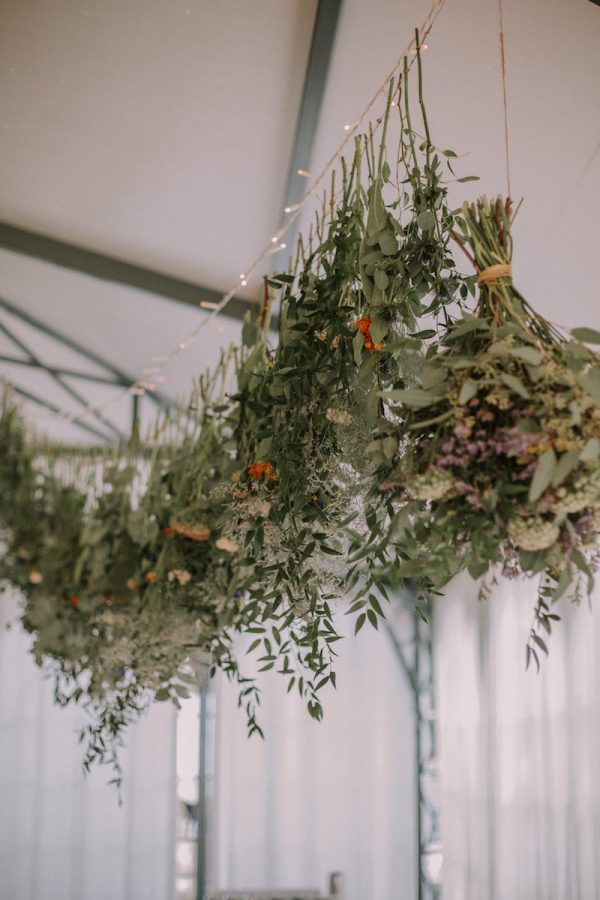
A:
[160,133]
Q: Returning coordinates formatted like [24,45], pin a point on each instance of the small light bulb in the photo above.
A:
[350,126]
[208,304]
[274,239]
[292,208]
[282,246]
[183,345]
[304,173]
[243,282]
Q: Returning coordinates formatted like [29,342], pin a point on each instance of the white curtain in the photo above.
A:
[63,836]
[316,798]
[520,752]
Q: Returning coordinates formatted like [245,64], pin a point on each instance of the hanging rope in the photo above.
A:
[504,94]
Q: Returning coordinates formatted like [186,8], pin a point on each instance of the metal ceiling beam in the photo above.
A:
[58,379]
[109,268]
[117,271]
[317,69]
[120,377]
[46,404]
[69,373]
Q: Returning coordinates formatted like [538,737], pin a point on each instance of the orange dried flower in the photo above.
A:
[167,531]
[197,532]
[74,601]
[151,576]
[262,471]
[364,326]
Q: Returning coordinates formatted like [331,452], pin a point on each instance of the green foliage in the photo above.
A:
[391,431]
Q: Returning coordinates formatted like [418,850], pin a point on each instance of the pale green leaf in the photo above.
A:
[388,243]
[591,451]
[566,463]
[529,355]
[426,220]
[515,384]
[590,382]
[586,335]
[467,392]
[543,475]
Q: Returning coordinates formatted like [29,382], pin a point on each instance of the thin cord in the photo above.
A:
[504,94]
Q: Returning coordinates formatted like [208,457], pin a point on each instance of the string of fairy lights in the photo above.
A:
[153,375]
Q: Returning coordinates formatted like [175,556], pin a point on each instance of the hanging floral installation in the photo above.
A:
[405,421]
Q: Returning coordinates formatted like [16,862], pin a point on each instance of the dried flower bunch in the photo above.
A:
[498,461]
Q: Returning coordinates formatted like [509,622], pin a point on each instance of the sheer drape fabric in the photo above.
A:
[313,798]
[520,752]
[63,837]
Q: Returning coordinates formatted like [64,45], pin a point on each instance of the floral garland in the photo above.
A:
[378,436]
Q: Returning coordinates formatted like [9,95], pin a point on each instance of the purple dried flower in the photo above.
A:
[462,487]
[389,485]
[474,501]
[462,430]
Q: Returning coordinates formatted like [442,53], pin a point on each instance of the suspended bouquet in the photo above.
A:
[499,438]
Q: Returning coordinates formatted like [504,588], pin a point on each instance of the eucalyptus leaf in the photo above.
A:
[586,335]
[381,279]
[515,384]
[388,243]
[529,355]
[377,213]
[426,220]
[590,382]
[543,475]
[415,397]
[467,392]
[591,451]
[566,463]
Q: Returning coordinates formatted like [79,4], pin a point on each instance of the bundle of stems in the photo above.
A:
[486,240]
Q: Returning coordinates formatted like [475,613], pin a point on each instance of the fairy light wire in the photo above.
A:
[152,374]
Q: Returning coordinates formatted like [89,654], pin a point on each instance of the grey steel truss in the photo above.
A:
[114,376]
[411,638]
